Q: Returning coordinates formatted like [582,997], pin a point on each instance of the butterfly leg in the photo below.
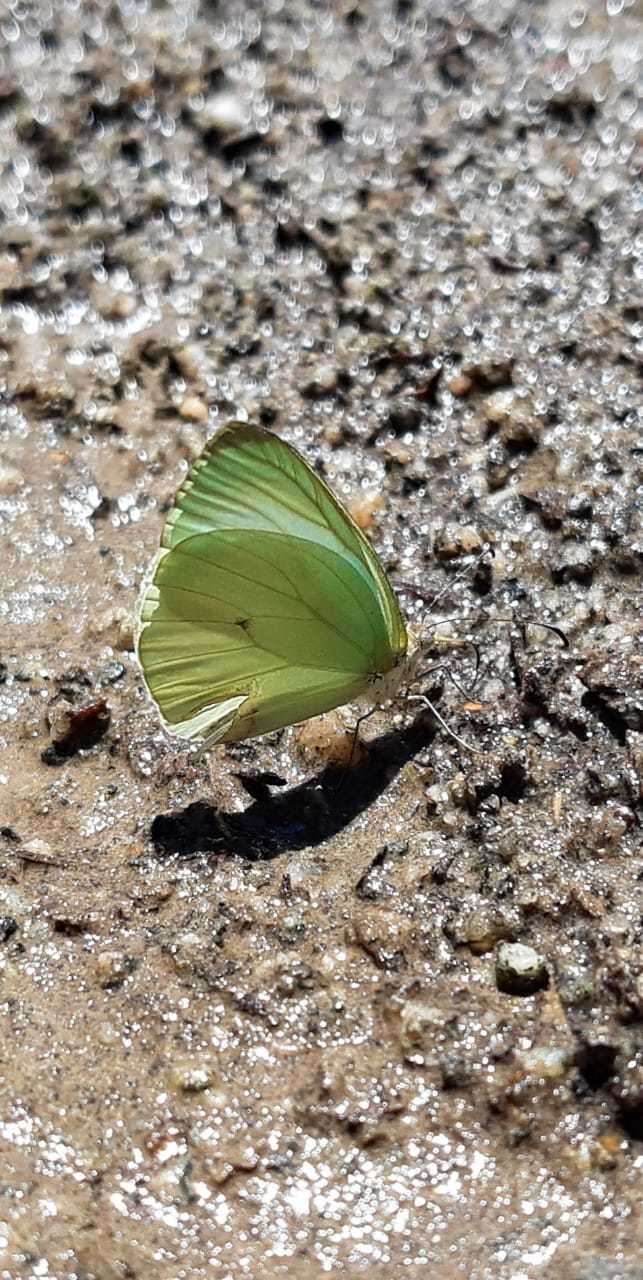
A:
[421,697]
[358,724]
[442,668]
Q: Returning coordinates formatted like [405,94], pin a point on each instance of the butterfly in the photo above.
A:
[266,604]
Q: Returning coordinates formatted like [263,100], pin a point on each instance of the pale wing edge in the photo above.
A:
[210,724]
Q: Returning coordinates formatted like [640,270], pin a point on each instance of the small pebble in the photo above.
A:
[456,540]
[112,968]
[11,480]
[322,382]
[292,929]
[114,627]
[460,385]
[515,416]
[520,971]
[193,1077]
[575,564]
[327,739]
[8,926]
[364,509]
[194,409]
[224,111]
[482,930]
[547,1061]
[73,728]
[58,718]
[421,1023]
[396,452]
[37,850]
[303,873]
[114,305]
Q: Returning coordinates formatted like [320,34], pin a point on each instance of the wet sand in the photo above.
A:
[269,1030]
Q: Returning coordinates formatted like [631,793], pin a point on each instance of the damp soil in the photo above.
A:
[294,1010]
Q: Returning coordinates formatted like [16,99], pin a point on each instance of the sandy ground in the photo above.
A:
[261,1030]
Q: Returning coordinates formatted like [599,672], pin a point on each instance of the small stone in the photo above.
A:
[123,306]
[382,936]
[114,627]
[611,1144]
[421,1023]
[303,875]
[293,977]
[454,1071]
[292,929]
[575,986]
[460,386]
[520,971]
[327,739]
[538,477]
[364,509]
[39,851]
[111,673]
[575,564]
[396,454]
[224,112]
[548,1062]
[8,927]
[112,968]
[515,417]
[322,382]
[372,884]
[193,1077]
[113,305]
[190,441]
[11,480]
[74,728]
[605,832]
[57,717]
[456,540]
[194,409]
[498,472]
[437,796]
[483,929]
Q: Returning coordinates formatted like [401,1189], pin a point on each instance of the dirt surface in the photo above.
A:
[267,1015]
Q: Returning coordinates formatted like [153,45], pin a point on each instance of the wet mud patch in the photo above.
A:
[278,1012]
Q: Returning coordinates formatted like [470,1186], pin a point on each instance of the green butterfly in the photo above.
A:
[266,604]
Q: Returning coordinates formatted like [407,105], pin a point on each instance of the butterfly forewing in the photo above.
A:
[247,478]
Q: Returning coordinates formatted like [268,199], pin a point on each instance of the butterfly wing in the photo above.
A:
[244,631]
[267,604]
[247,478]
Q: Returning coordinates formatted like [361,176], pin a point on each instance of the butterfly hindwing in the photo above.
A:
[288,627]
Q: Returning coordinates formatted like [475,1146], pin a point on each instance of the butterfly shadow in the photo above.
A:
[306,815]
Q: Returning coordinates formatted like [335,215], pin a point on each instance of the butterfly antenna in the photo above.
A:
[523,623]
[446,670]
[421,697]
[432,600]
